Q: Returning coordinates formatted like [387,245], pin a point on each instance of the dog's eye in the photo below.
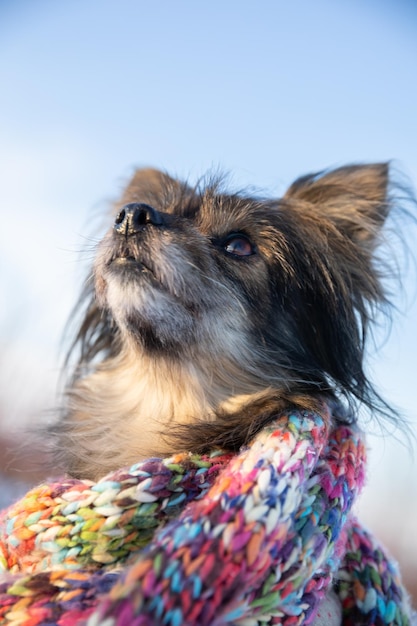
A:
[238,245]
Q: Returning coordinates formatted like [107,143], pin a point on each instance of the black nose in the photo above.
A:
[134,217]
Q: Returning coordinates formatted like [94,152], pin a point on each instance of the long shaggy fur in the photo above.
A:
[206,312]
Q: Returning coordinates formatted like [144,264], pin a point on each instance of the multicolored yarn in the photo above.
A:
[249,539]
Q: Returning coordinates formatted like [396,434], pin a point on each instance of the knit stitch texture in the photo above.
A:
[196,540]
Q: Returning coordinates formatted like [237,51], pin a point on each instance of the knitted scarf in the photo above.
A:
[249,539]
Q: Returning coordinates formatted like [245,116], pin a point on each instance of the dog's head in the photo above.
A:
[209,309]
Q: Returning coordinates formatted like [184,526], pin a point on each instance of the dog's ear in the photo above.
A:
[354,198]
[151,186]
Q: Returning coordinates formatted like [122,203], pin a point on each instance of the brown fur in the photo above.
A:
[186,344]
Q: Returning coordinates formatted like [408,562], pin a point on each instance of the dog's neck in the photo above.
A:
[131,403]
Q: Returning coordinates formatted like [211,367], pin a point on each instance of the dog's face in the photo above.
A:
[193,278]
[214,278]
[182,282]
[209,308]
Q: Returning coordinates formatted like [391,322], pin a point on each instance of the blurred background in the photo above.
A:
[266,90]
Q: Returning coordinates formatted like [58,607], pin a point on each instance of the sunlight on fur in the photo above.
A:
[208,311]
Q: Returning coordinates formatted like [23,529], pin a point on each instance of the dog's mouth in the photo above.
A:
[129,268]
[124,260]
[127,259]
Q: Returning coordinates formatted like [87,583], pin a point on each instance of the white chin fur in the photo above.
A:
[126,299]
[151,306]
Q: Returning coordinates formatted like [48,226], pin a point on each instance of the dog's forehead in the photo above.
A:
[212,207]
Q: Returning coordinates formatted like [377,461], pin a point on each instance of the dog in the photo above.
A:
[207,311]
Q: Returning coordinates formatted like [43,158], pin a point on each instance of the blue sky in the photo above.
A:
[266,90]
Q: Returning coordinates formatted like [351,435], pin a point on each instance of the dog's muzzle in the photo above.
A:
[134,217]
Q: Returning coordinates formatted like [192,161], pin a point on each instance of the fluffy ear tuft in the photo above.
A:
[354,198]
